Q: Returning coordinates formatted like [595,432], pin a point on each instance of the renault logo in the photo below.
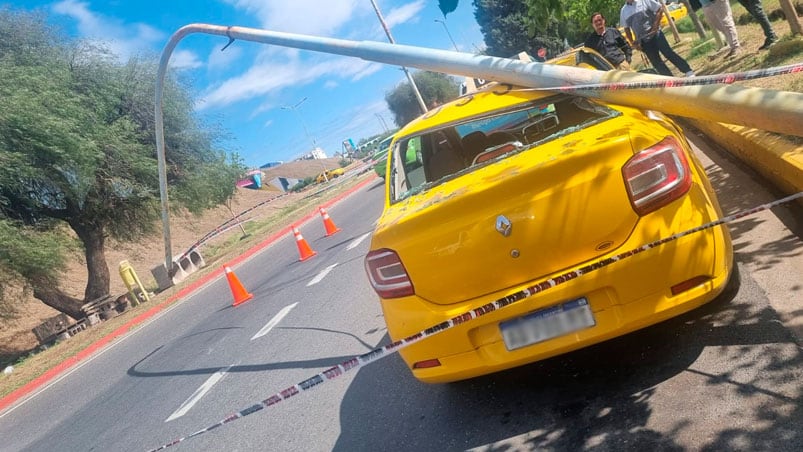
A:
[503,225]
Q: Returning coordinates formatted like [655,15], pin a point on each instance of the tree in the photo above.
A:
[508,29]
[577,16]
[447,6]
[512,26]
[435,89]
[77,149]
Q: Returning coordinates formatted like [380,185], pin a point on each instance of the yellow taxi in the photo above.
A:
[511,188]
[676,11]
[329,175]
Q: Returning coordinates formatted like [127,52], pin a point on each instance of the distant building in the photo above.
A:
[316,153]
[271,164]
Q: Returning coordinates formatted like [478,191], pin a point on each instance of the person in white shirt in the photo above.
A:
[642,18]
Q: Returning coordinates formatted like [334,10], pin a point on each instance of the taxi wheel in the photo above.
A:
[732,286]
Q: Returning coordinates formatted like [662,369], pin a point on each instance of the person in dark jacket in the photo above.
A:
[610,43]
[757,11]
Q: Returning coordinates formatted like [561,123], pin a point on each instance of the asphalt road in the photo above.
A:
[728,376]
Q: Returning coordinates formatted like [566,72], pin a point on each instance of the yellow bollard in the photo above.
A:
[133,283]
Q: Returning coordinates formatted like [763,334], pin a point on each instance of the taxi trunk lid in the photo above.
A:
[532,214]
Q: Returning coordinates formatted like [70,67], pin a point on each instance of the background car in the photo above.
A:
[329,175]
[676,10]
[380,157]
[514,188]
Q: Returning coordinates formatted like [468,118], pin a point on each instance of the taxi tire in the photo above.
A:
[731,287]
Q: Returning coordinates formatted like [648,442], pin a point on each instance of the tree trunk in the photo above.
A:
[93,239]
[791,16]
[46,291]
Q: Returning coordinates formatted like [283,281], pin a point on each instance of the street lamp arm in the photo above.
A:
[443,22]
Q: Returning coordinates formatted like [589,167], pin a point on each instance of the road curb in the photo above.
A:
[777,159]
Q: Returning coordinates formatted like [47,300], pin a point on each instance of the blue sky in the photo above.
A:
[245,86]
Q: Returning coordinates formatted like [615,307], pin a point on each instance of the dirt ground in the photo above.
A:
[16,335]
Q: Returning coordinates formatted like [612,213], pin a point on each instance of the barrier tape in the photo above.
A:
[376,354]
[726,78]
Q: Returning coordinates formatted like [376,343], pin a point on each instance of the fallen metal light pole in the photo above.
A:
[765,109]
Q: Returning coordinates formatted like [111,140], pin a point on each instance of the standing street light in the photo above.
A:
[301,119]
[443,22]
[406,72]
[306,131]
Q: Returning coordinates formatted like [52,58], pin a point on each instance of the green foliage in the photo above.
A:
[512,26]
[435,88]
[702,47]
[504,26]
[447,6]
[300,185]
[28,253]
[685,25]
[77,145]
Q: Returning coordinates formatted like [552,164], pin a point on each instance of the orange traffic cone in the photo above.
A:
[237,290]
[304,251]
[328,223]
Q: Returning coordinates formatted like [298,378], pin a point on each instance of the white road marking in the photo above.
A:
[200,392]
[358,240]
[274,321]
[321,275]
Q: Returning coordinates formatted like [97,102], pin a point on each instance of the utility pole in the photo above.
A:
[406,72]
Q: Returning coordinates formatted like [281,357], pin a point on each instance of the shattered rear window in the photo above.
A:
[425,160]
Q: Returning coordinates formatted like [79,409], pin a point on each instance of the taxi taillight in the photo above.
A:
[657,176]
[387,274]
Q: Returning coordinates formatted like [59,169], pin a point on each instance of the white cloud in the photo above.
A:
[267,77]
[184,59]
[330,84]
[359,121]
[318,17]
[366,68]
[123,39]
[324,17]
[404,13]
[314,17]
[223,59]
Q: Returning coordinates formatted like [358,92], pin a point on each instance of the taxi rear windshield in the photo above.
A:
[436,155]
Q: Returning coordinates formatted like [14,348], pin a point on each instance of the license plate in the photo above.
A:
[547,323]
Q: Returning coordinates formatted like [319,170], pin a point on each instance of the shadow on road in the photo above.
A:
[602,397]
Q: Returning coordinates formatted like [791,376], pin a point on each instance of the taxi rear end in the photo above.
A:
[576,182]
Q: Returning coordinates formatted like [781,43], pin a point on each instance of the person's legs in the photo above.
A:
[757,11]
[712,19]
[650,48]
[724,17]
[663,47]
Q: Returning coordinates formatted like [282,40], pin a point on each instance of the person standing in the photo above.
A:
[719,16]
[643,18]
[757,11]
[610,43]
